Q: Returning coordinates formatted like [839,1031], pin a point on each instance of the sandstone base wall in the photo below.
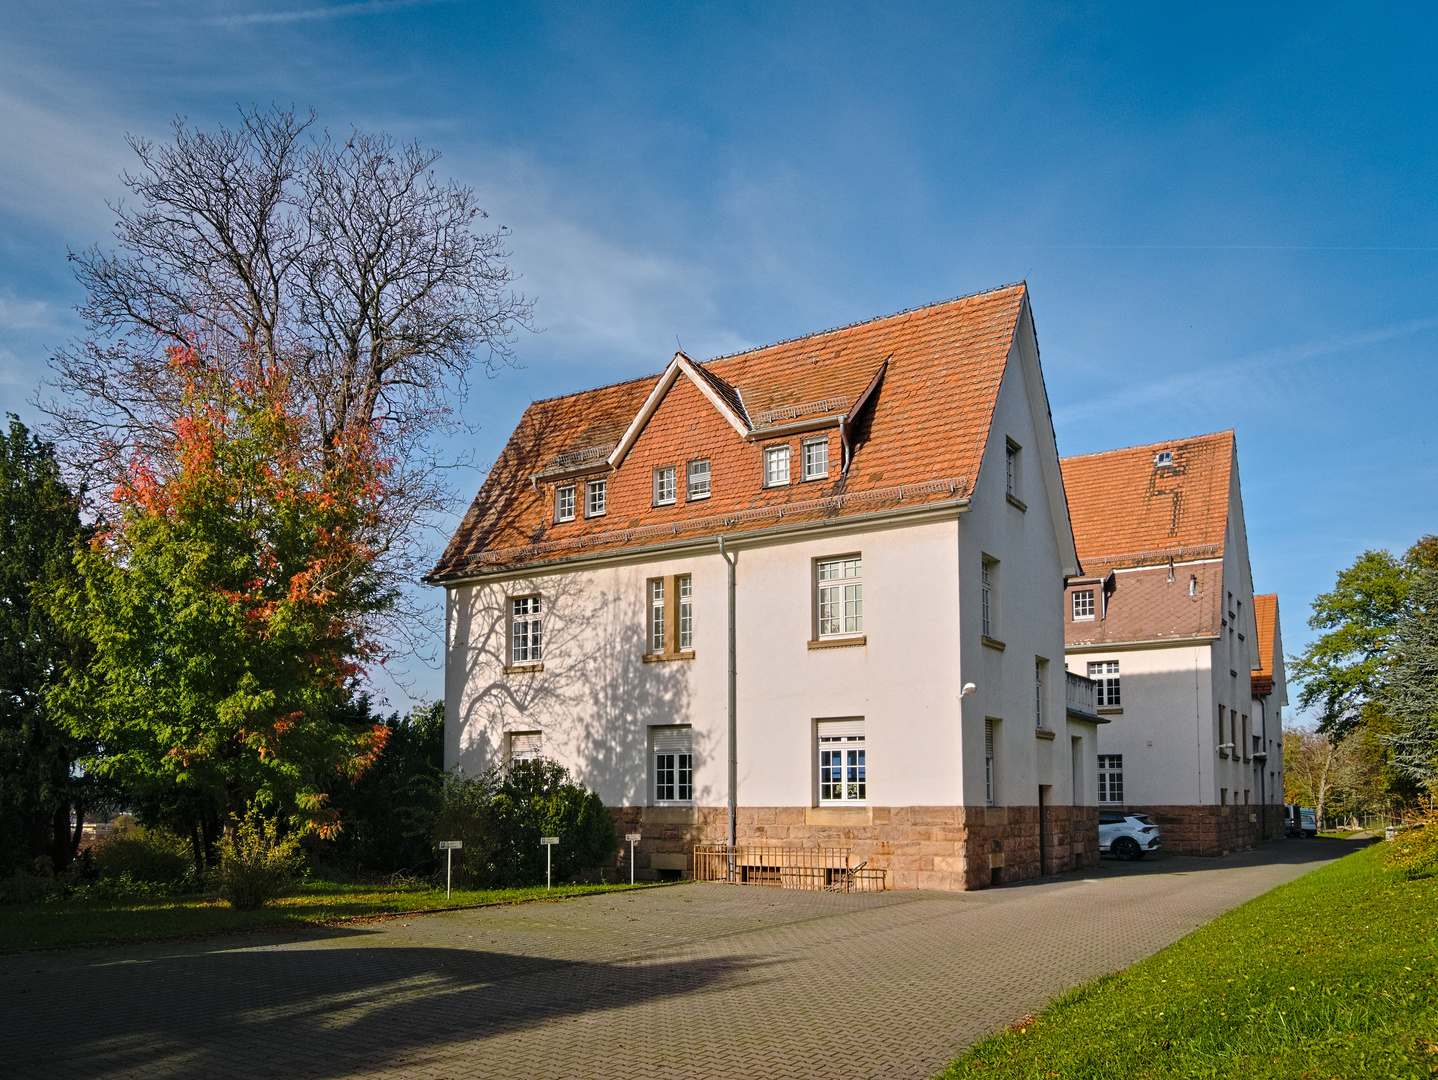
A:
[1215,830]
[921,847]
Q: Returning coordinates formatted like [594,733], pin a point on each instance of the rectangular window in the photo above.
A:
[842,769]
[656,615]
[816,459]
[1011,468]
[672,748]
[1110,778]
[1083,604]
[564,502]
[988,581]
[989,726]
[523,746]
[686,612]
[595,498]
[664,485]
[699,480]
[1040,681]
[1243,744]
[524,634]
[1104,673]
[1222,751]
[776,466]
[841,597]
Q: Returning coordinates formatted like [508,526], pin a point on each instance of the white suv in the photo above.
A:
[1125,835]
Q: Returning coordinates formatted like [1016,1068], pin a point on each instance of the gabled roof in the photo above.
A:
[931,376]
[1131,508]
[1265,615]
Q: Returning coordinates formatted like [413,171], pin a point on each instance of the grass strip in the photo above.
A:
[1331,975]
[70,922]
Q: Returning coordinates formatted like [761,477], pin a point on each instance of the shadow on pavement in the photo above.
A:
[302,1010]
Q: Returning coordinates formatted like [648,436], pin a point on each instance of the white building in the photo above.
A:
[1166,622]
[883,503]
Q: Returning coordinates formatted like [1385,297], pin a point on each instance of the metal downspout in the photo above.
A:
[733,710]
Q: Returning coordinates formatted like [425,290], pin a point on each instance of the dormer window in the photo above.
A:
[816,459]
[664,485]
[776,466]
[1083,605]
[564,502]
[699,480]
[595,498]
[1163,459]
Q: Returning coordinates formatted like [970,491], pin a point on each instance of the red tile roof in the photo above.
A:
[919,439]
[1127,510]
[1145,605]
[1265,614]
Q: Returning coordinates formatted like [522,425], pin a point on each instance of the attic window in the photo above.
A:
[1192,584]
[1162,459]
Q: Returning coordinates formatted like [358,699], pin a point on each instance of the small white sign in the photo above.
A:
[632,838]
[450,845]
[547,840]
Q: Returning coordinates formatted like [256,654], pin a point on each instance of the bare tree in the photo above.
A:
[348,266]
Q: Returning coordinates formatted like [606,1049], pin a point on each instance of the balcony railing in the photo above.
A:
[1079,695]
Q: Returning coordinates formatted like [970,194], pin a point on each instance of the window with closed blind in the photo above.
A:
[843,770]
[523,746]
[672,753]
[990,780]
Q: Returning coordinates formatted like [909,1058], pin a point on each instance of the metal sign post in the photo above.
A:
[633,839]
[449,847]
[548,842]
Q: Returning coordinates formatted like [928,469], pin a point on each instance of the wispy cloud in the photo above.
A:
[25,314]
[326,11]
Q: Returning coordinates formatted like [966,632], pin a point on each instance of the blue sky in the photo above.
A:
[1225,213]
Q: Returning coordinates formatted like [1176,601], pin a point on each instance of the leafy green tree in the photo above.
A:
[40,788]
[230,609]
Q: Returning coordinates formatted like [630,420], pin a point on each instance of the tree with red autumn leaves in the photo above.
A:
[231,606]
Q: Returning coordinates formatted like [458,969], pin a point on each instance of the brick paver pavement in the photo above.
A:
[692,981]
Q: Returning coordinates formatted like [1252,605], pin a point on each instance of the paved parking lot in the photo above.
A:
[690,981]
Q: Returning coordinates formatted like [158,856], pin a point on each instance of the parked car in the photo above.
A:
[1126,835]
[1300,820]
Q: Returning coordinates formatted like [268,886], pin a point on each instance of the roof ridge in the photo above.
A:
[1152,445]
[861,322]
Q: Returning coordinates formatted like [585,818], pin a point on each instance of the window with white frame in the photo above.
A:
[564,502]
[990,729]
[596,497]
[988,587]
[656,615]
[840,596]
[672,751]
[685,588]
[816,458]
[664,485]
[525,641]
[1110,778]
[1011,468]
[523,746]
[1041,672]
[843,777]
[1083,604]
[776,466]
[1104,673]
[698,480]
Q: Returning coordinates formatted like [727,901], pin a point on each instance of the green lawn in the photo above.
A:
[27,926]
[1332,975]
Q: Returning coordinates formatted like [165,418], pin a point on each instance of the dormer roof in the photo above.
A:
[1265,616]
[908,398]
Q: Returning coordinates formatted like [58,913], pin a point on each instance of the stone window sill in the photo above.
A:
[993,643]
[839,642]
[1111,711]
[523,669]
[1045,733]
[659,658]
[1014,500]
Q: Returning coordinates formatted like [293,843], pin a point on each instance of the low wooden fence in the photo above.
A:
[817,868]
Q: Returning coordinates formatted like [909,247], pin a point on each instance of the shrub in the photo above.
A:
[144,855]
[501,816]
[256,863]
[1414,851]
